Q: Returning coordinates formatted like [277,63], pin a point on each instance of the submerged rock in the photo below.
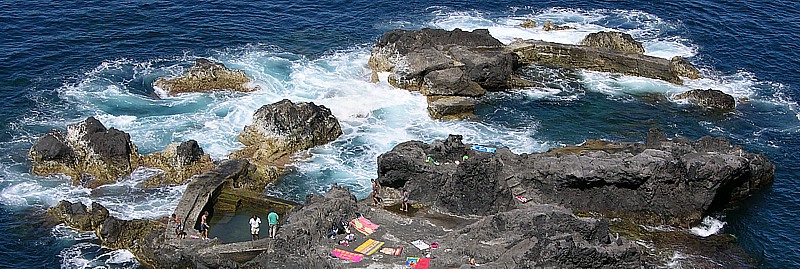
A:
[673,182]
[714,99]
[283,128]
[89,153]
[179,161]
[205,76]
[613,40]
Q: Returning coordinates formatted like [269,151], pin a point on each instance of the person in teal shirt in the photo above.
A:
[273,223]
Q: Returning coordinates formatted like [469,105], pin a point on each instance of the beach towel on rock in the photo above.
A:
[392,251]
[364,226]
[423,263]
[369,247]
[346,255]
[420,245]
[483,149]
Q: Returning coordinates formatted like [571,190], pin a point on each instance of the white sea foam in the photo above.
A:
[709,226]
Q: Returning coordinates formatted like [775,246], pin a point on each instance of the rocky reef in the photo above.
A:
[93,155]
[281,129]
[453,68]
[664,181]
[714,99]
[89,153]
[205,76]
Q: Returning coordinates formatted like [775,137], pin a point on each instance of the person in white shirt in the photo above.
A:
[255,223]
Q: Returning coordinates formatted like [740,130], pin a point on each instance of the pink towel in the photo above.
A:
[364,226]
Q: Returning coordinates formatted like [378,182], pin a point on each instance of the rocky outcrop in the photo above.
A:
[683,68]
[673,182]
[528,23]
[456,63]
[596,59]
[613,40]
[714,99]
[550,26]
[205,76]
[444,63]
[179,161]
[450,107]
[89,153]
[283,128]
[140,236]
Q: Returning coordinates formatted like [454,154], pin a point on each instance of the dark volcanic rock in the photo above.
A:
[597,59]
[283,128]
[205,76]
[447,63]
[613,40]
[714,99]
[672,182]
[179,161]
[89,153]
[541,236]
[684,68]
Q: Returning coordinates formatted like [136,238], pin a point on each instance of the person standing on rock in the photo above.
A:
[404,205]
[179,232]
[376,193]
[255,225]
[273,223]
[204,226]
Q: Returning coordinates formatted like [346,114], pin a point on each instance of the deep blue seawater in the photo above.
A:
[62,61]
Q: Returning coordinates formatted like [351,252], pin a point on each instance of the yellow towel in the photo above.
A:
[369,247]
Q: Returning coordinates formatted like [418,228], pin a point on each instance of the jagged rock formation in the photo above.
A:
[613,40]
[454,67]
[205,76]
[283,128]
[672,182]
[89,153]
[596,59]
[444,63]
[684,68]
[179,161]
[140,236]
[550,26]
[528,23]
[714,99]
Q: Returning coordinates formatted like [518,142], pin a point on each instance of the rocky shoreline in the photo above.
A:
[581,206]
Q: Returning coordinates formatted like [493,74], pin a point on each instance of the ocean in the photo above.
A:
[63,61]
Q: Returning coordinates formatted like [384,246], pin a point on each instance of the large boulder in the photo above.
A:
[444,63]
[528,23]
[205,76]
[89,153]
[450,107]
[714,99]
[283,128]
[613,40]
[674,182]
[179,161]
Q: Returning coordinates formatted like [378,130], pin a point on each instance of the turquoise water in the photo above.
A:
[65,61]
